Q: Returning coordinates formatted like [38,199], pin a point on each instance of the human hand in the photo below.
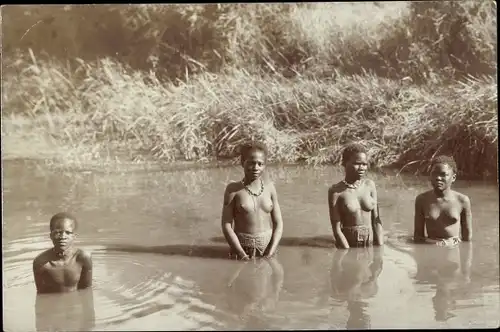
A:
[244,257]
[239,256]
[269,254]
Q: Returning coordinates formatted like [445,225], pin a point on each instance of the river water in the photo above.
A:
[160,262]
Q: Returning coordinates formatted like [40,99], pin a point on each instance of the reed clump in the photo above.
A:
[410,81]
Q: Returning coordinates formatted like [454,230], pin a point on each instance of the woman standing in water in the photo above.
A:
[251,215]
[444,213]
[353,204]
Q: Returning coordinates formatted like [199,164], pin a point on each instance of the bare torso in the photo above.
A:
[355,205]
[252,214]
[57,274]
[441,214]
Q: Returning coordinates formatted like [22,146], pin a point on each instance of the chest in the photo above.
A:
[354,200]
[443,209]
[247,203]
[67,274]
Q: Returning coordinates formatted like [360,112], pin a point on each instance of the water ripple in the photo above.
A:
[146,292]
[128,287]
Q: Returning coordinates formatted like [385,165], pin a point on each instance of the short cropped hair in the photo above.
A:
[350,150]
[61,216]
[447,160]
[250,147]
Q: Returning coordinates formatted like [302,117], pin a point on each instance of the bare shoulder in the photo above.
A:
[270,184]
[370,183]
[42,258]
[84,258]
[462,198]
[233,187]
[336,188]
[83,255]
[423,197]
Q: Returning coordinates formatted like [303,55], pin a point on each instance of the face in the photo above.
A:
[357,165]
[62,234]
[442,176]
[254,164]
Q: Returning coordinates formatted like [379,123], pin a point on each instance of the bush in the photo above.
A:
[192,82]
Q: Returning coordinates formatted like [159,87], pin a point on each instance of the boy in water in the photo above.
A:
[62,268]
[353,205]
[446,214]
[251,206]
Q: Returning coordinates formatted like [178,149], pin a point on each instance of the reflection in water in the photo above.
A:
[358,317]
[253,290]
[162,223]
[72,311]
[449,269]
[353,278]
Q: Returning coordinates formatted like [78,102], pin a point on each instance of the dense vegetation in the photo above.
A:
[177,82]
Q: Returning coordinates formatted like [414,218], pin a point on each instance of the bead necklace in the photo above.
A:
[252,193]
[353,185]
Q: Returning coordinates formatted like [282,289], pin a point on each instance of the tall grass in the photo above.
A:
[192,82]
[299,119]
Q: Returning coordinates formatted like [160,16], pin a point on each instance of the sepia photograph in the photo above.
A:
[250,166]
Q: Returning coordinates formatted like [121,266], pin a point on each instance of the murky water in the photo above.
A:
[160,260]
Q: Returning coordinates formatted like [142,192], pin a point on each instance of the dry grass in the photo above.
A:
[410,81]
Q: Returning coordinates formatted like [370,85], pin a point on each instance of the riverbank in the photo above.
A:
[114,114]
[80,112]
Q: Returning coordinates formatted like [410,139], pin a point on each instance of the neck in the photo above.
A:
[60,253]
[351,179]
[442,193]
[248,180]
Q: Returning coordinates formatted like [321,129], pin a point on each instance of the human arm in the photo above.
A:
[340,238]
[466,219]
[419,222]
[86,274]
[227,223]
[277,220]
[378,232]
[37,274]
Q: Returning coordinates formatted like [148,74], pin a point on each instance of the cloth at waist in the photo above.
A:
[449,242]
[255,239]
[353,227]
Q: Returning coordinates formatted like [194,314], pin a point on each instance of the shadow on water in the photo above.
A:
[314,241]
[65,312]
[215,251]
[200,251]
